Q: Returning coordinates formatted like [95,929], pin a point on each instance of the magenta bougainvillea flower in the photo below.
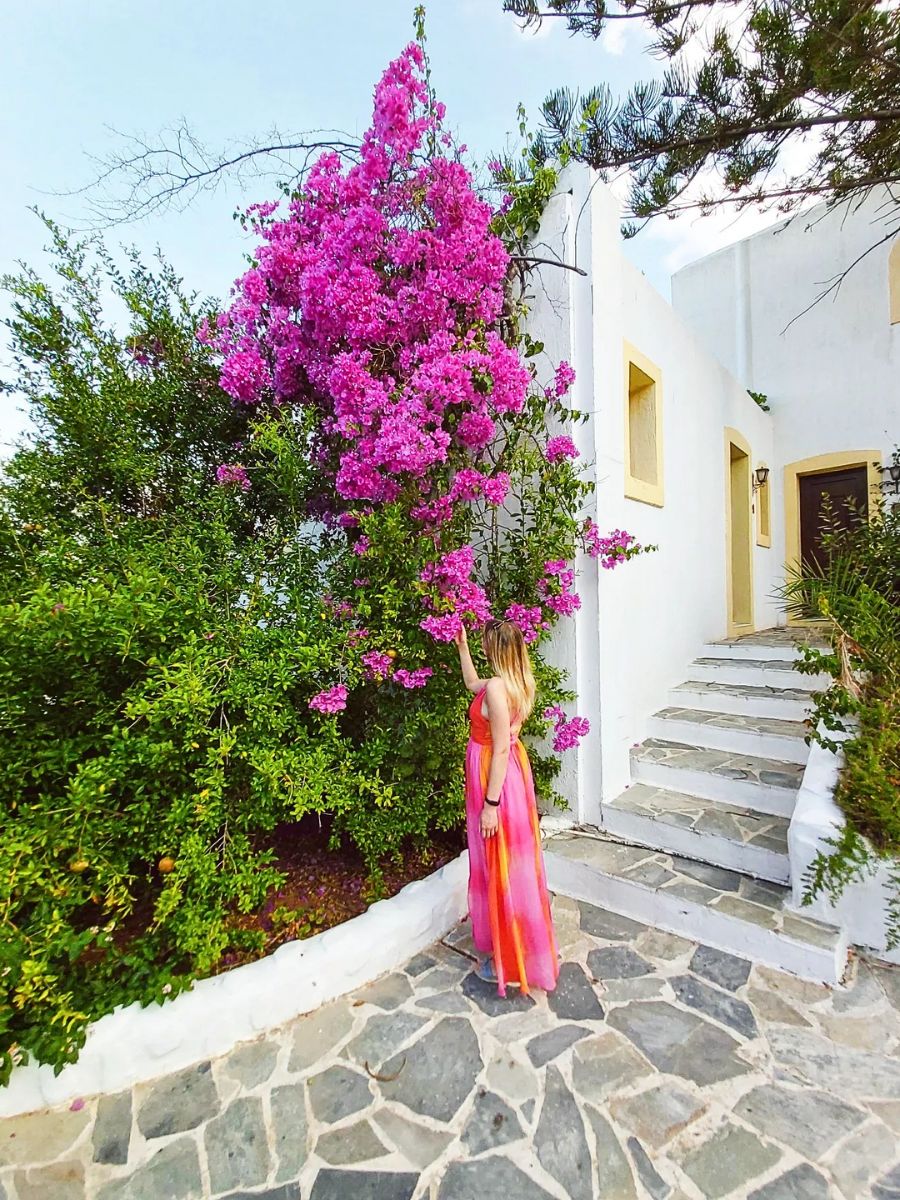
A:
[568,732]
[233,475]
[560,447]
[333,700]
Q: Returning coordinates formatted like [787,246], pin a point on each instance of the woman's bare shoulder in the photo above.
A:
[495,692]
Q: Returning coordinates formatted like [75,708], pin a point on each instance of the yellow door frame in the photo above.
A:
[736,439]
[818,465]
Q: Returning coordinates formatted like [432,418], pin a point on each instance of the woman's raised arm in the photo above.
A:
[469,674]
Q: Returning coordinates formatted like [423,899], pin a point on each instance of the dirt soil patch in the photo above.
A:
[324,887]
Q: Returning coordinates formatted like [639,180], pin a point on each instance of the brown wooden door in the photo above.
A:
[848,492]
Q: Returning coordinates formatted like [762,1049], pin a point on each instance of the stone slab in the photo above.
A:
[178,1103]
[111,1137]
[40,1137]
[808,1120]
[437,1073]
[678,1042]
[419,1145]
[173,1173]
[338,1093]
[491,1124]
[350,1144]
[237,1148]
[334,1184]
[289,1124]
[732,1158]
[574,998]
[493,1176]
[560,1142]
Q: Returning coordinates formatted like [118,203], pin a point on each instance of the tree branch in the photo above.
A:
[175,167]
[549,262]
[834,284]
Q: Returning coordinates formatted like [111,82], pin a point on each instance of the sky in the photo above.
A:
[74,72]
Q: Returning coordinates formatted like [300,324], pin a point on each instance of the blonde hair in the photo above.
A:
[505,649]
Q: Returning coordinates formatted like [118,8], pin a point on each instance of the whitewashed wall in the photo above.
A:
[560,317]
[832,375]
[641,624]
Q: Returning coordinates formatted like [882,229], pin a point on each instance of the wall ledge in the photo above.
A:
[134,1044]
[860,910]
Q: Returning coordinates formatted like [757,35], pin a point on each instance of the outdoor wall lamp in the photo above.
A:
[760,476]
[892,471]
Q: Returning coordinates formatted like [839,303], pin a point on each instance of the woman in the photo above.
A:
[508,901]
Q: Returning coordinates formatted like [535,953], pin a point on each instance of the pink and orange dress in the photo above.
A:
[508,900]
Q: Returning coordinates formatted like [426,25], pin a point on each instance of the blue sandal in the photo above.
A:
[485,971]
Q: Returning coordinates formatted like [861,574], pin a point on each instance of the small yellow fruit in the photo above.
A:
[166,865]
[78,865]
[392,653]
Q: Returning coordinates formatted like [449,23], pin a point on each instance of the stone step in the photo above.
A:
[744,780]
[722,835]
[764,737]
[741,699]
[757,672]
[720,908]
[746,648]
[782,642]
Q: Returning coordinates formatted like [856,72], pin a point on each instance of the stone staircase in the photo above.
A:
[697,844]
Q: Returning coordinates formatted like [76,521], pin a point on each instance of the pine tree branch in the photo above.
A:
[739,133]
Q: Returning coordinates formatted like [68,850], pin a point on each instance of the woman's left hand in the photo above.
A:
[490,820]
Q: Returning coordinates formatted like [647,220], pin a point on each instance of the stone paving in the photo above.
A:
[659,1069]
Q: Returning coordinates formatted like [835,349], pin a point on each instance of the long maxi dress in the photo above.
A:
[508,900]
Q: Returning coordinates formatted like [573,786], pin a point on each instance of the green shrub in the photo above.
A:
[161,636]
[857,593]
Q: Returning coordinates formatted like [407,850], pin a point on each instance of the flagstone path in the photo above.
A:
[659,1069]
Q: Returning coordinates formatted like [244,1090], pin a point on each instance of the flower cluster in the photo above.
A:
[560,447]
[529,620]
[233,475]
[562,381]
[338,274]
[458,598]
[555,588]
[333,700]
[565,377]
[568,732]
[613,549]
[413,679]
[377,665]
[469,484]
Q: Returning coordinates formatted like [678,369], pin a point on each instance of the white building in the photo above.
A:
[696,749]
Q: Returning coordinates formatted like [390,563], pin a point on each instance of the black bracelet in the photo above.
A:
[492,803]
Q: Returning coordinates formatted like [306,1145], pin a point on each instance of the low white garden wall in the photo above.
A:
[134,1044]
[860,910]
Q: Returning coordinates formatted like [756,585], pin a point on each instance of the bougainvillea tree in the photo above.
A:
[376,313]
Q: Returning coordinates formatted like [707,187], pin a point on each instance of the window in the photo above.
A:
[894,280]
[763,515]
[643,429]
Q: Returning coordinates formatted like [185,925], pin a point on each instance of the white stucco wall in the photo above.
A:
[641,624]
[832,375]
